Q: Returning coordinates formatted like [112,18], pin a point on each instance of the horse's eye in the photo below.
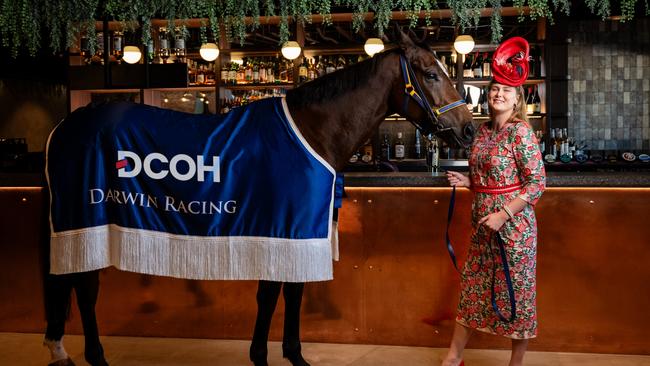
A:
[431,76]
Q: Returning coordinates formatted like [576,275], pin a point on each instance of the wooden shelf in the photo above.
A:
[486,81]
[257,86]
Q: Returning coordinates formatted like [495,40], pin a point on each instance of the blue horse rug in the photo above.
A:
[149,190]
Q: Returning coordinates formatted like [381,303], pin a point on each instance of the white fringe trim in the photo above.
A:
[191,257]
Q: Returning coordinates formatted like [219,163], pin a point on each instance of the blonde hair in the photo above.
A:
[519,111]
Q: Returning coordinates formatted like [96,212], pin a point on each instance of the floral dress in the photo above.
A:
[503,165]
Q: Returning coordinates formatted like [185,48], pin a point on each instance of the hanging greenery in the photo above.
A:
[24,22]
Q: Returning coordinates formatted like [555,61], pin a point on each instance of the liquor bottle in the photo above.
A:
[290,75]
[487,66]
[532,63]
[433,154]
[320,66]
[453,66]
[233,73]
[540,140]
[553,144]
[537,103]
[530,106]
[210,78]
[116,52]
[478,66]
[312,73]
[558,143]
[163,45]
[256,72]
[191,73]
[179,45]
[340,64]
[485,107]
[330,67]
[443,61]
[225,71]
[468,98]
[200,75]
[367,152]
[481,100]
[467,67]
[417,147]
[303,73]
[385,149]
[248,71]
[399,147]
[270,72]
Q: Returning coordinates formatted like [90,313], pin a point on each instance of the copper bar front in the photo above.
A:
[394,283]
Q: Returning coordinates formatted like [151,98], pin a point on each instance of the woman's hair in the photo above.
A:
[519,111]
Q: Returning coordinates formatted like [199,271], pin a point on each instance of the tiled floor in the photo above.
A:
[26,350]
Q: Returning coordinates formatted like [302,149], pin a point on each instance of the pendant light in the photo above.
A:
[209,51]
[291,50]
[132,54]
[464,44]
[373,46]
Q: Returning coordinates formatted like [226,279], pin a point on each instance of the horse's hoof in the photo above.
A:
[63,362]
[296,359]
[258,356]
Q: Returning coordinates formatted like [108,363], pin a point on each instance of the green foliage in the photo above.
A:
[23,23]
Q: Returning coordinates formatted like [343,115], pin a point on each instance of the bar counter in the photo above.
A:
[394,283]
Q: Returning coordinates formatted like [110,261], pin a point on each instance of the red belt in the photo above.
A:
[497,189]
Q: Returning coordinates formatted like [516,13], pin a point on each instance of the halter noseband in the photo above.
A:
[413,90]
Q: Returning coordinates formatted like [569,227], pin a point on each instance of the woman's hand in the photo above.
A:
[457,179]
[494,221]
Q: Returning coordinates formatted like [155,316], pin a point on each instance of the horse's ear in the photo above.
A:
[404,41]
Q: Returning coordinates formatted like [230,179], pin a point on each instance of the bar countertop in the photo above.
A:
[554,179]
[418,179]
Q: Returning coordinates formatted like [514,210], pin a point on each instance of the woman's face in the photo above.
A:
[502,98]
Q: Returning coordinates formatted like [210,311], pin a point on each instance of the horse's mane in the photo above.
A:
[335,84]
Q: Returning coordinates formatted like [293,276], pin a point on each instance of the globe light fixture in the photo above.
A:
[464,44]
[132,54]
[291,50]
[373,45]
[209,51]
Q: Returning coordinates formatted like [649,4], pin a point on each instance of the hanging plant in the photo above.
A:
[23,22]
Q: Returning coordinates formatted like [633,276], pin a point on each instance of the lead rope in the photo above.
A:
[504,260]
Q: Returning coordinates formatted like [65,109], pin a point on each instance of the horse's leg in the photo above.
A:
[291,348]
[57,290]
[87,289]
[267,298]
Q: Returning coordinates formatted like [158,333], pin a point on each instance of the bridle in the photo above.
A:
[412,90]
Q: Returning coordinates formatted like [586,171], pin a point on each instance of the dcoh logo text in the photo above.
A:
[190,168]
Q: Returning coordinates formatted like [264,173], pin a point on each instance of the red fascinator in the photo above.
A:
[510,62]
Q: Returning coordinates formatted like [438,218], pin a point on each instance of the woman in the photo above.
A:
[506,174]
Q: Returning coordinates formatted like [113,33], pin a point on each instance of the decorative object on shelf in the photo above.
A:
[373,46]
[291,50]
[209,51]
[132,54]
[464,44]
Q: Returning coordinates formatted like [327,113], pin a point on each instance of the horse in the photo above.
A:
[334,114]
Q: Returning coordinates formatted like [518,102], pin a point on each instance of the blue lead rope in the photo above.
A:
[506,271]
[450,214]
[504,260]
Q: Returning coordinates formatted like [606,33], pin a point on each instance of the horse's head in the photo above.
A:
[426,96]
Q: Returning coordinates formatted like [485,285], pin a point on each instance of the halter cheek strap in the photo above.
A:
[412,90]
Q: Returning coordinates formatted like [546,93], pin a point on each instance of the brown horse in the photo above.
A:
[335,114]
